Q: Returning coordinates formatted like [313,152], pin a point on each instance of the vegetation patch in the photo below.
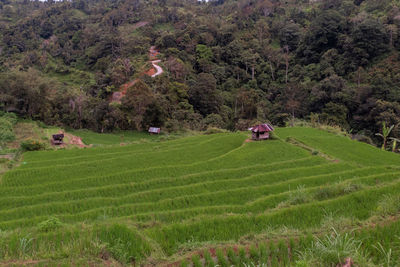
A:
[123,243]
[50,224]
[389,205]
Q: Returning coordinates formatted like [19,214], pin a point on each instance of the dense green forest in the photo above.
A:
[228,63]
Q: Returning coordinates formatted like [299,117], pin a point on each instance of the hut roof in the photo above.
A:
[154,130]
[58,137]
[261,128]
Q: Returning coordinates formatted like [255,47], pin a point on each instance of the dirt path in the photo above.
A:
[153,57]
[140,24]
[153,72]
[76,141]
[158,68]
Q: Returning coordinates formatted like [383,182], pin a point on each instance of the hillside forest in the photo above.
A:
[227,63]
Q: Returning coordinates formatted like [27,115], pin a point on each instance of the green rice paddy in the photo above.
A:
[153,202]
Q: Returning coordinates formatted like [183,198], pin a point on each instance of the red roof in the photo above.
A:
[261,128]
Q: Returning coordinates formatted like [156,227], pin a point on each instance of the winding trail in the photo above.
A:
[153,72]
[153,57]
[158,68]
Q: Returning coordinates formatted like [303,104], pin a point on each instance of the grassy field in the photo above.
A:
[176,201]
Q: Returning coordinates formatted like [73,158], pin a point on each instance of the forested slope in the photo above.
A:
[226,63]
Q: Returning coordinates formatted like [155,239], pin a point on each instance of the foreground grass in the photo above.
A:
[153,201]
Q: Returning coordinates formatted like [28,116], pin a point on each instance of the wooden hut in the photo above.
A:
[154,130]
[261,131]
[57,139]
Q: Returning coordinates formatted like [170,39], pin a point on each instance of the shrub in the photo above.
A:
[214,120]
[6,131]
[50,224]
[172,125]
[32,145]
[11,117]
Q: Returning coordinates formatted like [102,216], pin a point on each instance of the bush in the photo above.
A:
[11,117]
[32,145]
[214,120]
[314,152]
[172,126]
[51,224]
[6,131]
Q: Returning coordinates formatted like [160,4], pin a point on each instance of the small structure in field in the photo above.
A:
[154,130]
[261,131]
[57,139]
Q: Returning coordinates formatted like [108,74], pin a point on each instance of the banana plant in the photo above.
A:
[385,133]
[394,144]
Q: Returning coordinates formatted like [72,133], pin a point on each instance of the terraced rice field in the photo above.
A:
[154,202]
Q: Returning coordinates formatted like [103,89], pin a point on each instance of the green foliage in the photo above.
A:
[196,261]
[203,52]
[50,224]
[298,196]
[385,133]
[388,205]
[338,189]
[7,121]
[25,245]
[332,250]
[32,145]
[209,261]
[124,244]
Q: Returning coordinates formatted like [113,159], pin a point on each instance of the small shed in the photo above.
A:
[154,130]
[261,131]
[57,139]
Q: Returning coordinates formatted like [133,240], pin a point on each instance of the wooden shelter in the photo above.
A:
[261,131]
[57,139]
[154,130]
